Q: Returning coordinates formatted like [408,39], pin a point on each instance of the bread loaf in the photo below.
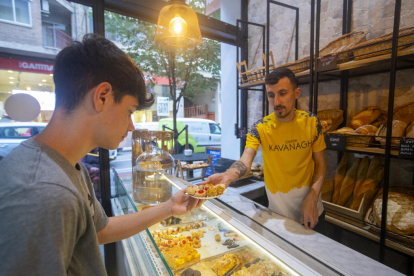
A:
[398,130]
[365,117]
[347,186]
[345,130]
[326,125]
[410,131]
[339,177]
[374,176]
[366,130]
[400,210]
[362,173]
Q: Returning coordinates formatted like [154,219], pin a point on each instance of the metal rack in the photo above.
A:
[381,64]
[241,132]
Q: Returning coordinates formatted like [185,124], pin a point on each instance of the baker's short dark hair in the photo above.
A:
[84,65]
[279,73]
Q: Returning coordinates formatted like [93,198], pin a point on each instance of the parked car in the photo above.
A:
[13,133]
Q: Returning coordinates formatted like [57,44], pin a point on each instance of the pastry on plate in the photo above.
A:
[201,193]
[197,244]
[190,190]
[217,237]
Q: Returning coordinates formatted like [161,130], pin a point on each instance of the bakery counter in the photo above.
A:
[232,236]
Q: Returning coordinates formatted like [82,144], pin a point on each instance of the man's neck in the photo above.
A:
[288,118]
[66,137]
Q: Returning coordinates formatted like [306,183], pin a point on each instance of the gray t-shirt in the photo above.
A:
[49,215]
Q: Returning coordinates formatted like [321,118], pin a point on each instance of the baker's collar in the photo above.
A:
[272,121]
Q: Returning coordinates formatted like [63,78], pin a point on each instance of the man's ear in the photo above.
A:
[101,95]
[297,93]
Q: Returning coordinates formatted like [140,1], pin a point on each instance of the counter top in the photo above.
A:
[343,259]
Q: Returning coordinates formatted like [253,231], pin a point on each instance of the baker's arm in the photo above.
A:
[125,226]
[309,208]
[239,169]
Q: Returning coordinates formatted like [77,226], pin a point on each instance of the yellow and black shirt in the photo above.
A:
[287,159]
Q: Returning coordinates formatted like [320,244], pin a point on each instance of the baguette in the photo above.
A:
[362,173]
[339,177]
[374,177]
[366,130]
[365,117]
[347,186]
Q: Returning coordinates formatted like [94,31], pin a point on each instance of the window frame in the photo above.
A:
[14,22]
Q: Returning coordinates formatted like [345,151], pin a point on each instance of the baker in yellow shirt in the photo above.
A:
[293,154]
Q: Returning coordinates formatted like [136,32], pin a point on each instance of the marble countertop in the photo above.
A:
[325,250]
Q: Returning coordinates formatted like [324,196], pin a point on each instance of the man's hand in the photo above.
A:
[218,178]
[181,203]
[310,210]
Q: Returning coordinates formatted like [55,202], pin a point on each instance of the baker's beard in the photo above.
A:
[280,114]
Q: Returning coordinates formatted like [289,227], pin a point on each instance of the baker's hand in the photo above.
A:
[181,203]
[218,178]
[310,210]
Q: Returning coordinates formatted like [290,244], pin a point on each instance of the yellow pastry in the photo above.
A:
[178,256]
[217,237]
[195,234]
[197,244]
[190,190]
[225,264]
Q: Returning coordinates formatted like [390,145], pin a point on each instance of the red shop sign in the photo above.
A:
[25,66]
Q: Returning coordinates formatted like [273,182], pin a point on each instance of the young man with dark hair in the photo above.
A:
[293,154]
[51,221]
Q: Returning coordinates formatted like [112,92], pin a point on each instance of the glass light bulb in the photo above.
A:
[178,26]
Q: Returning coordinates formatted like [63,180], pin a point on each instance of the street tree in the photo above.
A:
[189,71]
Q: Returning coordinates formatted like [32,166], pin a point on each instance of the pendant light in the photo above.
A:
[178,26]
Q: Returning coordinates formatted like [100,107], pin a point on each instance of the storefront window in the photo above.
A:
[198,76]
[30,70]
[16,11]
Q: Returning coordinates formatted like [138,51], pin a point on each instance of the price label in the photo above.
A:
[407,148]
[327,63]
[335,142]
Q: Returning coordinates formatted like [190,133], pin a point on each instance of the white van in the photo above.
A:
[201,133]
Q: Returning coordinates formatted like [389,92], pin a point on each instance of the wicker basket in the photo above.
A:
[358,140]
[342,45]
[383,44]
[369,217]
[336,115]
[298,65]
[405,113]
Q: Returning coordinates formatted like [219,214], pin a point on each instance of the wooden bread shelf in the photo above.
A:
[357,227]
[350,65]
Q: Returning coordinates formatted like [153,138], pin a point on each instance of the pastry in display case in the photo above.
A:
[209,241]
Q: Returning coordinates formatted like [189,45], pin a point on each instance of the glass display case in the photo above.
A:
[213,240]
